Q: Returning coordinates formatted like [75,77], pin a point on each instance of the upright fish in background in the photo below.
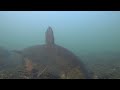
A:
[49,36]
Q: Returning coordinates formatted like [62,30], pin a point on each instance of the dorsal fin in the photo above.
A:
[49,36]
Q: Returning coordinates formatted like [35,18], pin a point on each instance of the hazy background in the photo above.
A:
[79,31]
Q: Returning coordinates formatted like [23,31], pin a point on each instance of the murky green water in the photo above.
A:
[91,35]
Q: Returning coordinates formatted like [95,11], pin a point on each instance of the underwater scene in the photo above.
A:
[59,44]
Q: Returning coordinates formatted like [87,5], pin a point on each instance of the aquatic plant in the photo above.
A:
[29,65]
